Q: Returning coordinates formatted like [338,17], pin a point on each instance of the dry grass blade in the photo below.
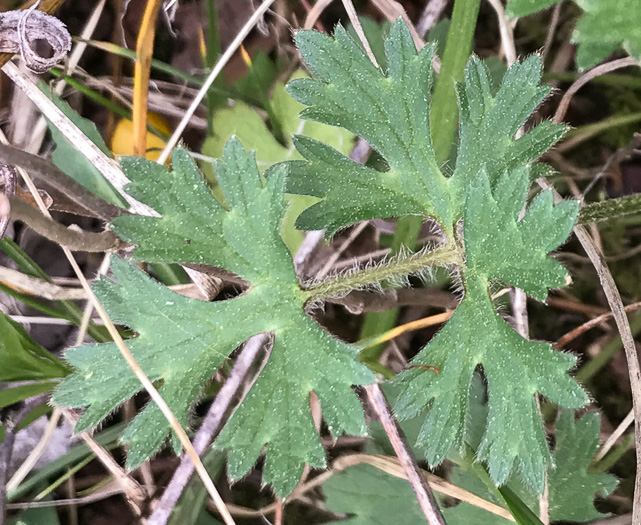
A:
[106,166]
[242,376]
[392,466]
[614,437]
[621,319]
[37,287]
[603,69]
[424,494]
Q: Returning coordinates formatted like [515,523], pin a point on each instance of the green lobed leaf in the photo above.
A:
[350,92]
[182,341]
[572,487]
[605,27]
[497,246]
[249,127]
[487,189]
[390,110]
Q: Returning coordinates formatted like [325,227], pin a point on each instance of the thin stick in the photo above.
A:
[314,13]
[554,22]
[609,443]
[344,245]
[579,330]
[356,23]
[202,92]
[506,31]
[134,493]
[226,400]
[623,325]
[618,310]
[424,494]
[430,15]
[585,78]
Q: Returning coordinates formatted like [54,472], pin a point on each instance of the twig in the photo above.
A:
[393,10]
[337,253]
[619,431]
[424,494]
[429,16]
[554,22]
[74,238]
[585,78]
[506,31]
[230,396]
[202,92]
[134,493]
[579,330]
[623,325]
[315,12]
[45,171]
[614,300]
[356,23]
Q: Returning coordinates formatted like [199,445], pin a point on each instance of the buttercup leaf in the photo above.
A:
[181,341]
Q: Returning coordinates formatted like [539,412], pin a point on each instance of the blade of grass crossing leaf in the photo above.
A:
[144,52]
[443,120]
[18,393]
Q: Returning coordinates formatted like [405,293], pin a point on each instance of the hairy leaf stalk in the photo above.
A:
[446,255]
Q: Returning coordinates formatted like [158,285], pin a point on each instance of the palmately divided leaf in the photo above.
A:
[181,341]
[391,111]
[497,246]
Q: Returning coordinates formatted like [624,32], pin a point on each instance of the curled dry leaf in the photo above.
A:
[19,30]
